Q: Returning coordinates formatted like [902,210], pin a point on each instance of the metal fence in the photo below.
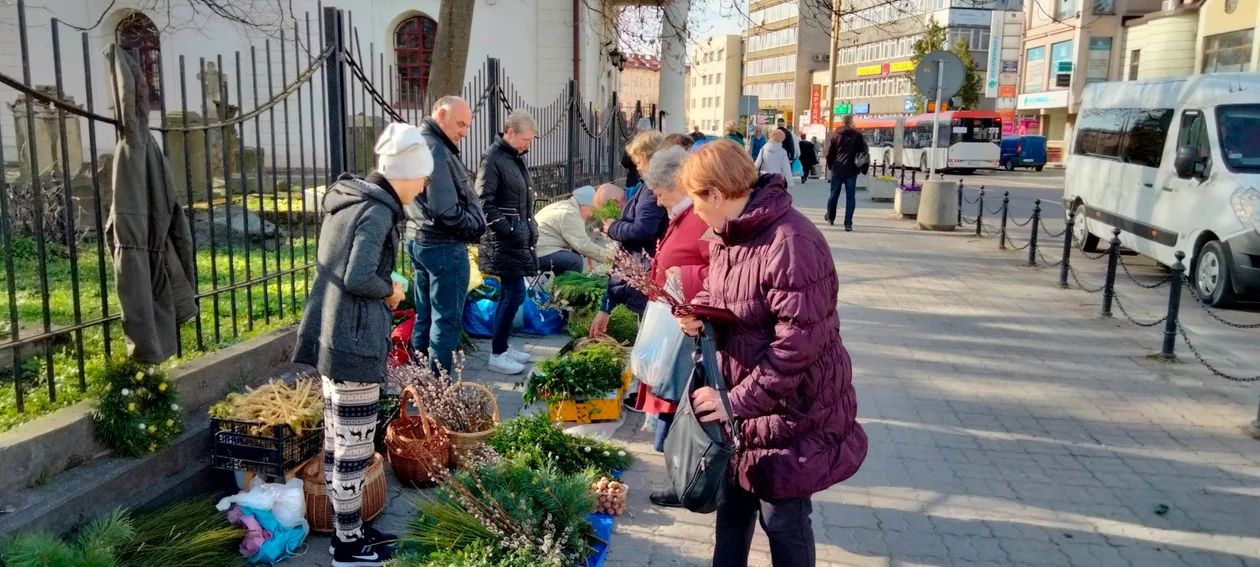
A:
[250,182]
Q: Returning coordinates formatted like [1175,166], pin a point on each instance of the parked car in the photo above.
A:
[1023,151]
[1175,165]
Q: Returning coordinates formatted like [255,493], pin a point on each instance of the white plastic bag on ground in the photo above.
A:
[286,502]
[658,343]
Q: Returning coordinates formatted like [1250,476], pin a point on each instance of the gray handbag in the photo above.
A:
[698,455]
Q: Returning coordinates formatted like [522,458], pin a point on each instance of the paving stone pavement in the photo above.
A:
[1008,425]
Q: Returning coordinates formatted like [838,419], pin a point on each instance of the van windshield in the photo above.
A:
[1239,126]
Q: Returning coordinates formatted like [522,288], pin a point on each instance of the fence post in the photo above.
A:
[494,105]
[572,111]
[334,72]
[1064,265]
[1036,226]
[613,132]
[960,202]
[1006,205]
[1174,307]
[980,212]
[1113,258]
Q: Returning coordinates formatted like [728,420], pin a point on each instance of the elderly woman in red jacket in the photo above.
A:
[789,375]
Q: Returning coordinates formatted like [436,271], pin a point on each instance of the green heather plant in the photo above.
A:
[588,372]
[538,442]
[578,290]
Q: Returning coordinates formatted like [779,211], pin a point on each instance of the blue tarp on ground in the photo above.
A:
[603,524]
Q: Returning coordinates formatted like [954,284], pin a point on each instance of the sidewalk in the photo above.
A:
[1008,425]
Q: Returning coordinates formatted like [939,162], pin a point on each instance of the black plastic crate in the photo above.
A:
[238,446]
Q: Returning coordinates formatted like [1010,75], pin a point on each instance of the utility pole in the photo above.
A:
[831,68]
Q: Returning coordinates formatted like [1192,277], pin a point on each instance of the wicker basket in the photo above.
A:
[417,445]
[319,510]
[463,444]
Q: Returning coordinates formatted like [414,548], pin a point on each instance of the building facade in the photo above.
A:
[640,84]
[787,41]
[714,83]
[874,71]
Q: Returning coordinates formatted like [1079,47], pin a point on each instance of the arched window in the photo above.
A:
[137,35]
[413,53]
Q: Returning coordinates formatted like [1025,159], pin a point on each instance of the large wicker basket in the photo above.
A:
[319,510]
[418,445]
[463,444]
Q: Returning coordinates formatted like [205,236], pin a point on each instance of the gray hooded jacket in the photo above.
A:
[346,325]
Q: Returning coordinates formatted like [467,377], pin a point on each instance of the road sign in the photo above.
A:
[843,109]
[748,105]
[861,109]
[909,104]
[951,74]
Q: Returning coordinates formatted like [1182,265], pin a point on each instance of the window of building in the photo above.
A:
[1064,9]
[770,40]
[1135,58]
[770,65]
[775,13]
[413,53]
[1228,52]
[717,102]
[719,78]
[1059,52]
[137,35]
[721,54]
[781,90]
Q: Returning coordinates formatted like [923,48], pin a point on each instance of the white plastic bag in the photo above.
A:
[658,343]
[287,502]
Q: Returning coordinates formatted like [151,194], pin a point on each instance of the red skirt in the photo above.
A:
[652,404]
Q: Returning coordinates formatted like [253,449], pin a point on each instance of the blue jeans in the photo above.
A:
[513,296]
[850,198]
[664,421]
[441,286]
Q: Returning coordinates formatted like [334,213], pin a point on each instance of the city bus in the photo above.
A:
[968,140]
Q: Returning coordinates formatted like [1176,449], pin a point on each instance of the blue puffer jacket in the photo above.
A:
[642,224]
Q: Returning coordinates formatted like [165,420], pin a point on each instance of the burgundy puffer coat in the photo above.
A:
[790,379]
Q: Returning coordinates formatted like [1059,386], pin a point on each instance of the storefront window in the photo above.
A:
[1228,52]
[1060,52]
[1035,69]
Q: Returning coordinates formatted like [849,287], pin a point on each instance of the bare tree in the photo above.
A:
[450,50]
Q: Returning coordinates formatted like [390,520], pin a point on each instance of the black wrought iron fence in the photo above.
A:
[251,183]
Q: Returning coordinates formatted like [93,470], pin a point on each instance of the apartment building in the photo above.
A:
[639,83]
[713,83]
[874,73]
[787,40]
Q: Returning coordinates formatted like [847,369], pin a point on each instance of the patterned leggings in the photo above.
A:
[349,430]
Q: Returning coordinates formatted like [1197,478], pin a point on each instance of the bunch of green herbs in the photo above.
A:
[539,443]
[586,373]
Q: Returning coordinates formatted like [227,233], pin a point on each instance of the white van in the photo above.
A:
[1175,165]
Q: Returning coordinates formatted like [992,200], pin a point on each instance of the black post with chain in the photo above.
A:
[1006,210]
[1032,240]
[572,111]
[1064,264]
[960,202]
[980,212]
[1174,307]
[1109,288]
[495,110]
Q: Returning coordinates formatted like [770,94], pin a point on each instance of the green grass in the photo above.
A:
[285,296]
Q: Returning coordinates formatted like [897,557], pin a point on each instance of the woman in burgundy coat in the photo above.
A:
[789,375]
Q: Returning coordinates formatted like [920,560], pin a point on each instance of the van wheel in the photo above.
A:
[1084,240]
[1009,165]
[1212,281]
[1040,167]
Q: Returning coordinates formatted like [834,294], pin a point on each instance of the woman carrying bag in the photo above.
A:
[791,399]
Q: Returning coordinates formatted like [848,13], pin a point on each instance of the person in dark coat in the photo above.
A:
[439,228]
[789,375]
[845,151]
[508,247]
[642,223]
[809,158]
[789,141]
[346,324]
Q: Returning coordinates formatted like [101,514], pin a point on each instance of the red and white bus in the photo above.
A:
[968,140]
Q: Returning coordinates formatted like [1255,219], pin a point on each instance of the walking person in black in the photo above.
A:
[847,156]
[809,158]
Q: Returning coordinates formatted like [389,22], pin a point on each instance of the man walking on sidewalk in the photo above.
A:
[439,228]
[846,157]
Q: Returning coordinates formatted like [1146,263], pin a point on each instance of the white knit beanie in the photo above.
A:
[402,153]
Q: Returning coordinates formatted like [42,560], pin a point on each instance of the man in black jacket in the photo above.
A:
[847,156]
[439,228]
[508,248]
[789,143]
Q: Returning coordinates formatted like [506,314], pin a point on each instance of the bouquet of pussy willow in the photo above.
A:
[636,271]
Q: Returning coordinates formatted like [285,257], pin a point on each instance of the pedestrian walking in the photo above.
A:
[758,141]
[774,159]
[809,158]
[438,231]
[847,157]
[790,384]
[732,133]
[696,134]
[508,249]
[788,142]
[347,321]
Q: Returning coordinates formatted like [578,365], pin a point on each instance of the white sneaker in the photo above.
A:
[518,355]
[503,364]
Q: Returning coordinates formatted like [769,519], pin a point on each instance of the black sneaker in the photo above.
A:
[848,228]
[372,550]
[372,536]
[630,402]
[666,499]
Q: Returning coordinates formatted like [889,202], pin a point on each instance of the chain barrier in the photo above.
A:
[1155,285]
[1186,338]
[968,221]
[1087,254]
[481,103]
[1011,246]
[1120,304]
[971,201]
[1211,313]
[989,234]
[538,136]
[1042,255]
[1017,223]
[994,211]
[587,129]
[1075,278]
[1052,234]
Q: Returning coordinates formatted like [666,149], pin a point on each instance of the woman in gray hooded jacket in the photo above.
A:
[345,327]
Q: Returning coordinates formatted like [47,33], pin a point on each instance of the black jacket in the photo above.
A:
[346,324]
[447,212]
[787,143]
[503,187]
[632,171]
[809,156]
[842,152]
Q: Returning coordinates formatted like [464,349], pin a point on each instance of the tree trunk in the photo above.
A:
[450,50]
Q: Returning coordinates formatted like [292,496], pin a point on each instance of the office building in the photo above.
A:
[787,40]
[713,84]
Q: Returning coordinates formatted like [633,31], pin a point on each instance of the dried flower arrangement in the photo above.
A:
[637,272]
[511,507]
[460,410]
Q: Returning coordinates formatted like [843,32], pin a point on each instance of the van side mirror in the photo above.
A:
[1187,162]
